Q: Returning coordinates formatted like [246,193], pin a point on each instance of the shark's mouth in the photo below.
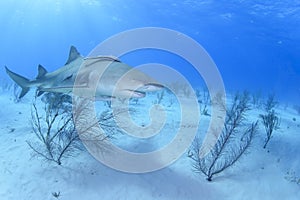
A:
[152,87]
[141,91]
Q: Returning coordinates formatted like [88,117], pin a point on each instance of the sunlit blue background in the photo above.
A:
[255,44]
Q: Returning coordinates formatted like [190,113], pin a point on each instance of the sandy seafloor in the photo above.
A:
[261,174]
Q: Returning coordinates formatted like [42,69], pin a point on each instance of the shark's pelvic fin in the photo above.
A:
[73,55]
[41,72]
[23,82]
[39,93]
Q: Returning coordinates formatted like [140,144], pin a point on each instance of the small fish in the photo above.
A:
[101,77]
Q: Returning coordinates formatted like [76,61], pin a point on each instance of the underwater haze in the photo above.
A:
[255,44]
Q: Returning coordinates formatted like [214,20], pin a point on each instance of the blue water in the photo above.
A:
[255,44]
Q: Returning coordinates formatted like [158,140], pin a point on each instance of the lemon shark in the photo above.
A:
[100,77]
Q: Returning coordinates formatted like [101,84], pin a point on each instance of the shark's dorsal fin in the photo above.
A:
[41,72]
[73,55]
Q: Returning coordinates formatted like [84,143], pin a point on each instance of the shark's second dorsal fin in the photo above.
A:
[73,54]
[41,72]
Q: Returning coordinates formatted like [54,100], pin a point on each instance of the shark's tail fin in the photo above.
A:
[20,80]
